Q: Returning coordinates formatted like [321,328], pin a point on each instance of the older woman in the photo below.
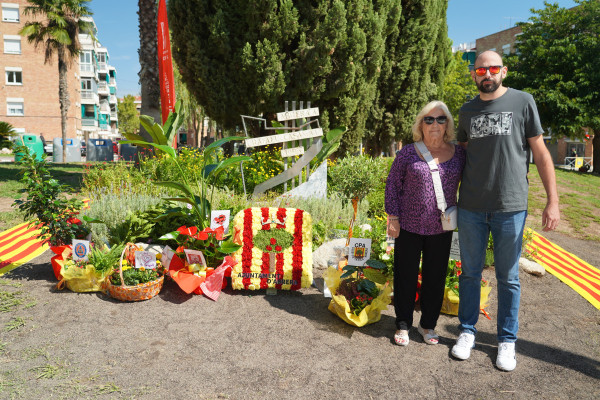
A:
[414,220]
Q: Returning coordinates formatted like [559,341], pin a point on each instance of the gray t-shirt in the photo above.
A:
[495,175]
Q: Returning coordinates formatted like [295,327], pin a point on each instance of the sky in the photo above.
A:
[117,23]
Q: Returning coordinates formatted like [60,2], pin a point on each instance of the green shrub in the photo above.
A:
[114,209]
[354,177]
[266,164]
[376,198]
[116,178]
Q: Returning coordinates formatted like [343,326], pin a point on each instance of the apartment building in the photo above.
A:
[29,91]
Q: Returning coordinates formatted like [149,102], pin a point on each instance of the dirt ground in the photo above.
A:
[249,345]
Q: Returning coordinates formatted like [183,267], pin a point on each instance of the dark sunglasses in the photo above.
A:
[440,120]
[494,70]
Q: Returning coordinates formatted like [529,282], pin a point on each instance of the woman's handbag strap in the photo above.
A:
[435,175]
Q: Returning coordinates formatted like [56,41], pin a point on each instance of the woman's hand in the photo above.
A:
[393,227]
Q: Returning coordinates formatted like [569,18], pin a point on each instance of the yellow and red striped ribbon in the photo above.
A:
[570,269]
[19,245]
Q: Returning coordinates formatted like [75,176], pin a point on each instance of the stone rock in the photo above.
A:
[327,252]
[316,187]
[531,267]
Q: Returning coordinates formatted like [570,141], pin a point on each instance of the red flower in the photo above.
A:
[219,232]
[278,248]
[74,220]
[269,248]
[273,241]
[184,230]
[203,235]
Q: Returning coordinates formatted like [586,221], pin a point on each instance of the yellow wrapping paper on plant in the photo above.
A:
[450,304]
[340,307]
[84,279]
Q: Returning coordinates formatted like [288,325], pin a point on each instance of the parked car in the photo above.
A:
[83,149]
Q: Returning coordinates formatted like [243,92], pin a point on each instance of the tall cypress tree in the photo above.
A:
[417,52]
[249,56]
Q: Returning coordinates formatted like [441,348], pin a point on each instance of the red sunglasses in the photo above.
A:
[494,69]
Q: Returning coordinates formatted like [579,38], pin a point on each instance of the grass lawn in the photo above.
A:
[579,197]
[69,174]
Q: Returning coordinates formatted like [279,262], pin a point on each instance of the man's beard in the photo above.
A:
[488,88]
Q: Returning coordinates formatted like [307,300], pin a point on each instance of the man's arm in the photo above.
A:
[545,166]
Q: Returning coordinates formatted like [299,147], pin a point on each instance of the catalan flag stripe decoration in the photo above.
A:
[570,269]
[19,245]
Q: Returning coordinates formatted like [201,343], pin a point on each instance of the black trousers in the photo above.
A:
[435,250]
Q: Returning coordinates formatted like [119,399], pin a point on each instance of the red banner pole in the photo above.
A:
[165,65]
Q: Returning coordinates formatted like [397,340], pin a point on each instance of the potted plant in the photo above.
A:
[47,206]
[359,294]
[130,282]
[90,275]
[214,245]
[450,304]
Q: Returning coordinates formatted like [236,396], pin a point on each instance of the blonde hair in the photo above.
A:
[417,129]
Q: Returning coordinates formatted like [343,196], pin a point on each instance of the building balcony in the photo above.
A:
[103,89]
[112,99]
[89,122]
[87,70]
[113,116]
[89,97]
[103,67]
[113,82]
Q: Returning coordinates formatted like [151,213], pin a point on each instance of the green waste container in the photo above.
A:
[33,143]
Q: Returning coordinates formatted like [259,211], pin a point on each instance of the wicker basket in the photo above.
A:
[139,292]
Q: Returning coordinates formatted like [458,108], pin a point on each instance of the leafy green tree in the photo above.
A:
[129,121]
[55,28]
[458,85]
[6,130]
[192,113]
[557,62]
[246,57]
[417,52]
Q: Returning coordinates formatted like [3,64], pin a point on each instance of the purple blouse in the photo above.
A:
[409,192]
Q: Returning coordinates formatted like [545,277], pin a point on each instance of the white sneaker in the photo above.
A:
[507,359]
[463,346]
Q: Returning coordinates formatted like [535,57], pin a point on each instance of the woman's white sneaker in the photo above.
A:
[463,346]
[507,358]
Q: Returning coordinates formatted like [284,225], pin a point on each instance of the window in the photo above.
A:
[86,84]
[88,111]
[14,76]
[85,61]
[12,44]
[506,49]
[15,107]
[10,12]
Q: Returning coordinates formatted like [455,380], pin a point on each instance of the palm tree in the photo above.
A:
[55,28]
[148,54]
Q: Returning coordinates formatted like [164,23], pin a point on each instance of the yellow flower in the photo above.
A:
[159,256]
[142,269]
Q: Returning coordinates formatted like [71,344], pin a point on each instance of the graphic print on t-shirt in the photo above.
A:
[491,124]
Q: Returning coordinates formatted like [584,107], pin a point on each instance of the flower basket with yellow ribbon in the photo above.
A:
[352,304]
[150,281]
[451,299]
[90,275]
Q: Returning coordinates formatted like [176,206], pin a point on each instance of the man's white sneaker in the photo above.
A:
[463,346]
[507,359]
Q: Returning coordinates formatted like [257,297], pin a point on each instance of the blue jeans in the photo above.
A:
[507,232]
